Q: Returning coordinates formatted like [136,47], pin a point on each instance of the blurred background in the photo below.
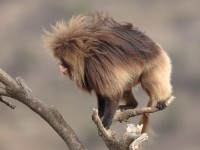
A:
[175,24]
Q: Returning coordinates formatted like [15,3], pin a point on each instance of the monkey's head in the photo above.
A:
[70,43]
[75,41]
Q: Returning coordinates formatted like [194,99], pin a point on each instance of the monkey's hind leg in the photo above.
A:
[156,82]
[129,99]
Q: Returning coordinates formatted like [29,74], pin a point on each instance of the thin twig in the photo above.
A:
[20,91]
[107,135]
[135,144]
[3,92]
[124,115]
[131,133]
[7,80]
[7,103]
[1,85]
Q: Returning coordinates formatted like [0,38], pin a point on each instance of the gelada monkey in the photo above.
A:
[110,58]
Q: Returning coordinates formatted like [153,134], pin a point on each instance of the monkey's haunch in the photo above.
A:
[101,55]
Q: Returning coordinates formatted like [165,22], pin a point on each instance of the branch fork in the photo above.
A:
[130,140]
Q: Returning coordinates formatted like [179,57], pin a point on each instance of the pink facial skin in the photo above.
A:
[63,69]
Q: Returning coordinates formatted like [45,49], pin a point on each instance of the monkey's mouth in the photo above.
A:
[63,69]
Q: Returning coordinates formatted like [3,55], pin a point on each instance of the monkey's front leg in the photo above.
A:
[101,105]
[111,106]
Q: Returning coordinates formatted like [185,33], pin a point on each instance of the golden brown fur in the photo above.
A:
[110,58]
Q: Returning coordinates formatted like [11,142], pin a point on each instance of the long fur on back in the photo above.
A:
[110,58]
[104,55]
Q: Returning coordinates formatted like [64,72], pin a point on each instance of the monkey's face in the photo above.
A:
[72,65]
[68,54]
[64,67]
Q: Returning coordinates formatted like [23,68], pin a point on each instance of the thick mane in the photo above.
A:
[64,35]
[115,44]
[110,58]
[101,31]
[102,43]
[109,36]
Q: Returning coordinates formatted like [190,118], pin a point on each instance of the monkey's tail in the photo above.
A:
[145,119]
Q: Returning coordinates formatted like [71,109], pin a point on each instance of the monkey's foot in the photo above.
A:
[161,105]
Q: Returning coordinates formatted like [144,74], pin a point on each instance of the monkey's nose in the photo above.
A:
[63,69]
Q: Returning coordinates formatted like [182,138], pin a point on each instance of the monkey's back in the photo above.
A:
[111,56]
[119,54]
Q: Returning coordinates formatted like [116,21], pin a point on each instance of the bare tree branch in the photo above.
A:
[127,141]
[3,92]
[7,103]
[7,80]
[135,144]
[20,91]
[107,135]
[132,137]
[130,140]
[125,114]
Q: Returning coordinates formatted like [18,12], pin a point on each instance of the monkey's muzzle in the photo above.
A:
[63,69]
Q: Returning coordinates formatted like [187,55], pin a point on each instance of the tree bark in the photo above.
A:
[130,140]
[19,91]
